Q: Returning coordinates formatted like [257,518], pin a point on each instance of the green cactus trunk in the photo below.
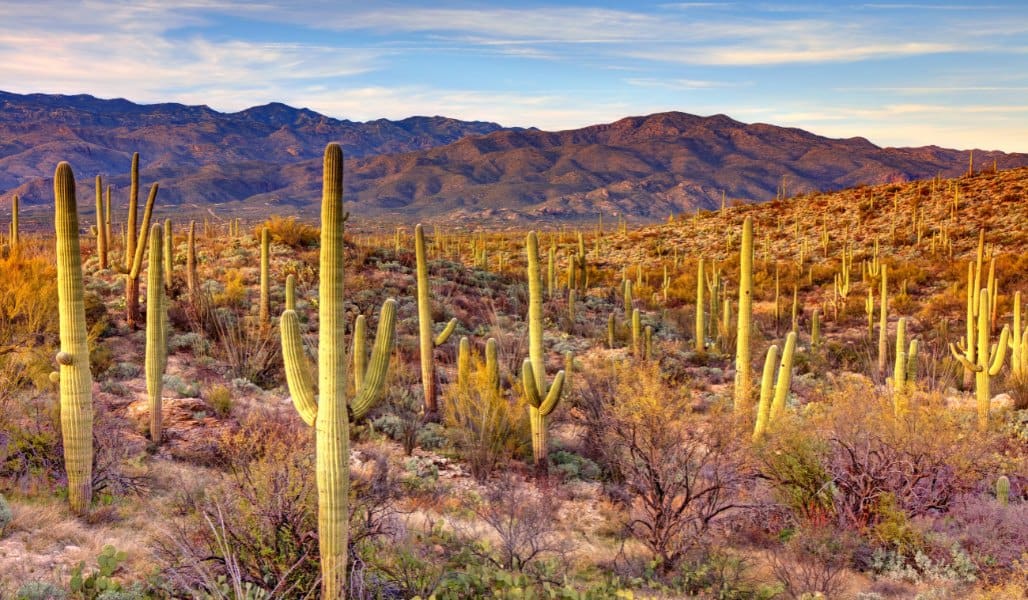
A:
[133,210]
[883,322]
[169,253]
[101,232]
[330,414]
[767,381]
[264,315]
[426,343]
[191,282]
[132,282]
[76,383]
[156,333]
[290,292]
[743,377]
[1003,490]
[701,336]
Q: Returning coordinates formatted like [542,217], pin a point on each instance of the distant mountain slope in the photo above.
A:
[99,136]
[267,159]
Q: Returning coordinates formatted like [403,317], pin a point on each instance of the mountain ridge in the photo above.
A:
[266,159]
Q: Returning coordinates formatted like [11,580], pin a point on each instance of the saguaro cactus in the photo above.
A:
[701,336]
[541,399]
[1003,490]
[426,342]
[989,364]
[743,377]
[169,253]
[883,321]
[101,231]
[191,282]
[76,383]
[1018,343]
[264,315]
[156,331]
[15,236]
[329,414]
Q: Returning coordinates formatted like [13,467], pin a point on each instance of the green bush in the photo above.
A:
[40,590]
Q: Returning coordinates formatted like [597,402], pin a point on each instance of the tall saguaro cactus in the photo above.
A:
[265,299]
[743,377]
[191,282]
[101,231]
[426,342]
[76,383]
[15,235]
[156,331]
[542,399]
[1018,343]
[701,336]
[988,364]
[330,414]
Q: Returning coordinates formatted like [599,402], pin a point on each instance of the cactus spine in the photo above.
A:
[101,231]
[264,315]
[743,376]
[989,364]
[426,342]
[156,331]
[76,383]
[330,414]
[541,399]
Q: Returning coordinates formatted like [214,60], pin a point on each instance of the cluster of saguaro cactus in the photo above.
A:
[427,342]
[156,331]
[330,414]
[743,377]
[135,245]
[542,399]
[769,410]
[75,381]
[905,369]
[975,308]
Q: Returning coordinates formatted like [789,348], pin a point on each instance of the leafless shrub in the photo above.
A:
[814,561]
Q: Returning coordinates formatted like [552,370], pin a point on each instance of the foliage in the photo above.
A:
[290,232]
[90,586]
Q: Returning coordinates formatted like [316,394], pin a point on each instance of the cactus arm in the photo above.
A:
[445,333]
[373,383]
[528,381]
[553,395]
[137,261]
[133,210]
[298,374]
[999,354]
[291,292]
[963,359]
[360,357]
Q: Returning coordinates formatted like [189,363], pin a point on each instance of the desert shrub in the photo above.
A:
[40,590]
[484,426]
[5,514]
[525,524]
[573,466]
[28,329]
[793,462]
[219,398]
[250,351]
[290,232]
[683,470]
[993,535]
[813,561]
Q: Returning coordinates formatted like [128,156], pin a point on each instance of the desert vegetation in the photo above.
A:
[822,396]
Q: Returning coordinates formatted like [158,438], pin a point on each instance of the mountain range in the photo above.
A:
[266,159]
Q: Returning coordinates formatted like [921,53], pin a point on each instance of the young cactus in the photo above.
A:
[541,399]
[426,342]
[156,331]
[988,364]
[743,377]
[1003,490]
[330,414]
[76,383]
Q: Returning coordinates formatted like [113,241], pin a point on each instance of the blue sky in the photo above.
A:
[899,73]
